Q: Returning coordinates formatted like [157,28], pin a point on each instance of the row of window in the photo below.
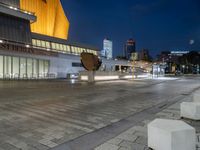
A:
[20,67]
[61,47]
[75,64]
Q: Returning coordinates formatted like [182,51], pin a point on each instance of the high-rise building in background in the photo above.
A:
[130,48]
[107,49]
[144,55]
[134,56]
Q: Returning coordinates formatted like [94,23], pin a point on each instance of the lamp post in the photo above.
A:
[183,69]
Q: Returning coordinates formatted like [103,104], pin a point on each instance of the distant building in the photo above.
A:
[144,55]
[107,51]
[134,56]
[183,61]
[171,56]
[130,48]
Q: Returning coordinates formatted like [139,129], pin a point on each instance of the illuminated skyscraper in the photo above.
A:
[130,48]
[107,49]
[144,55]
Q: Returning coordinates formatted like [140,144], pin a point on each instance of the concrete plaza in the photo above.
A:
[40,115]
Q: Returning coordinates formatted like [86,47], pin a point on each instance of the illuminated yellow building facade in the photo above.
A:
[51,19]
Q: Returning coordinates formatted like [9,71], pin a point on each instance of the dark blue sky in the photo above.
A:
[154,24]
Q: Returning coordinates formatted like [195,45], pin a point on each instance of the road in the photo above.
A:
[39,115]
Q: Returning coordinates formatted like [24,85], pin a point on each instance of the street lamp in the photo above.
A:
[183,66]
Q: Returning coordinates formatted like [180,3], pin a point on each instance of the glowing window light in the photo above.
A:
[47,44]
[38,43]
[68,48]
[53,46]
[65,48]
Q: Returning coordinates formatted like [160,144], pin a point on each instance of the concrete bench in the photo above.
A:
[196,96]
[190,110]
[171,135]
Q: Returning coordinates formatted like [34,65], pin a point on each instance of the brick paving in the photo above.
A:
[135,138]
[43,115]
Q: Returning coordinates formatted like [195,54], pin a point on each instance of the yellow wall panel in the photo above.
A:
[61,24]
[51,19]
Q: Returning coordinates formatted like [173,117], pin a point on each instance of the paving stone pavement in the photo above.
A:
[43,115]
[135,138]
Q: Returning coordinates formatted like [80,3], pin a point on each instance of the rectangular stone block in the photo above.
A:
[171,135]
[190,110]
[196,96]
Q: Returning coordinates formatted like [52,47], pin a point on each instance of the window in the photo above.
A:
[57,46]
[46,67]
[65,48]
[7,66]
[38,43]
[76,50]
[68,48]
[41,68]
[15,67]
[34,42]
[23,68]
[48,45]
[61,47]
[43,43]
[35,68]
[53,45]
[79,50]
[1,66]
[76,64]
[73,51]
[29,67]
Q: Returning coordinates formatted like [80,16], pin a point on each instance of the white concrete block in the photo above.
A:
[190,110]
[171,135]
[196,96]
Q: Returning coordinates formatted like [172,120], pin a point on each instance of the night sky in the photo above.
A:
[154,24]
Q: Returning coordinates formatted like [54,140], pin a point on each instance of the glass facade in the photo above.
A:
[41,68]
[61,47]
[1,66]
[7,67]
[35,68]
[15,67]
[23,68]
[29,67]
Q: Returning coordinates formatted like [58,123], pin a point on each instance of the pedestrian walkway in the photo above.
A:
[135,138]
